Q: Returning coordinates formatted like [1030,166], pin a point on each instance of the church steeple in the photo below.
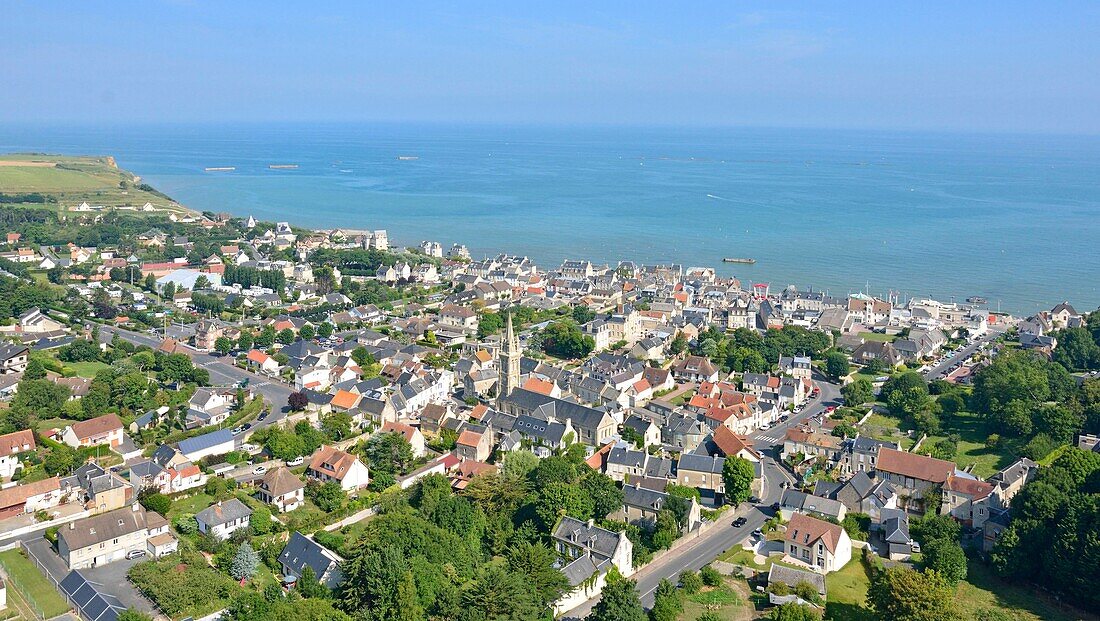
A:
[509,360]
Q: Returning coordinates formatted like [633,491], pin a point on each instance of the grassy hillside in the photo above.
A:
[63,182]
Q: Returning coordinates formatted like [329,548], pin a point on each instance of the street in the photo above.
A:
[943,368]
[222,371]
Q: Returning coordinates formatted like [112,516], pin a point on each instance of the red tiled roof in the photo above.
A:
[805,530]
[96,426]
[914,466]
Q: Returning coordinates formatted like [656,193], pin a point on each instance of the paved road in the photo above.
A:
[222,371]
[764,439]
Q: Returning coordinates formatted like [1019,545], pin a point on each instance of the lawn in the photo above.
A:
[877,337]
[981,590]
[847,592]
[972,432]
[86,369]
[729,601]
[887,427]
[32,585]
[189,506]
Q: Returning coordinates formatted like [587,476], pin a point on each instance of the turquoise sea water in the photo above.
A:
[1014,219]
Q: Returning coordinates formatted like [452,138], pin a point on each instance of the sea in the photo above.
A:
[1014,219]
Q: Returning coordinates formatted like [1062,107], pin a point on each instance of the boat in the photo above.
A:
[220,168]
[282,166]
[977,300]
[738,260]
[408,158]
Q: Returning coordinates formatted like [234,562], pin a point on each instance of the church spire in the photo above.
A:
[509,360]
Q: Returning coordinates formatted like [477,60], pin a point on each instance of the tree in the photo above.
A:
[836,365]
[536,564]
[858,392]
[902,594]
[518,464]
[328,496]
[308,585]
[285,336]
[131,614]
[408,604]
[582,314]
[35,370]
[564,339]
[737,475]
[690,582]
[244,341]
[223,345]
[152,500]
[362,357]
[260,521]
[307,332]
[297,401]
[61,460]
[325,330]
[605,494]
[500,595]
[388,452]
[667,602]
[666,529]
[947,558]
[557,499]
[619,603]
[245,562]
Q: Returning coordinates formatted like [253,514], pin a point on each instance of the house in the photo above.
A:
[167,479]
[11,446]
[589,552]
[223,518]
[411,434]
[729,444]
[1012,479]
[460,317]
[433,416]
[262,362]
[301,552]
[13,358]
[695,369]
[30,497]
[796,366]
[282,489]
[102,430]
[206,334]
[912,475]
[594,427]
[822,545]
[209,406]
[811,444]
[703,473]
[794,501]
[108,537]
[860,494]
[641,506]
[331,464]
[103,489]
[644,428]
[876,350]
[892,526]
[859,454]
[967,499]
[473,445]
[217,442]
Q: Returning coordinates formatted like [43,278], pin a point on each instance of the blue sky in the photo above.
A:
[982,66]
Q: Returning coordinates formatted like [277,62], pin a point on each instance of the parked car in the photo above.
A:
[297,461]
[739,522]
[132,554]
[261,469]
[754,499]
[759,534]
[238,430]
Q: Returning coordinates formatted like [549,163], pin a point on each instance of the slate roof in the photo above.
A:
[223,512]
[598,541]
[701,463]
[205,441]
[301,552]
[791,576]
[111,525]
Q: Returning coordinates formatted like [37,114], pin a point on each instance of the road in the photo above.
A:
[222,371]
[943,368]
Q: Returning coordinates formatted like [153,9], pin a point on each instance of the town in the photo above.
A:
[207,416]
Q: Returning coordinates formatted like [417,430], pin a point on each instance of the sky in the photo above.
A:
[968,66]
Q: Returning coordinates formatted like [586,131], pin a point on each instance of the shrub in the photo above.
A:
[710,576]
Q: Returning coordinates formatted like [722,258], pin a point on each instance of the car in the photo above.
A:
[830,409]
[263,416]
[739,522]
[238,430]
[132,554]
[785,484]
[297,461]
[775,506]
[784,418]
[246,426]
[250,448]
[754,499]
[759,534]
[261,469]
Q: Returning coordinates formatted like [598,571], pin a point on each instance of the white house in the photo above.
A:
[824,546]
[222,519]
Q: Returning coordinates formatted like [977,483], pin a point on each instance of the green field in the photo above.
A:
[67,181]
[31,585]
[877,337]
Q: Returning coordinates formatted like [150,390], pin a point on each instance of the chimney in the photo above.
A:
[72,525]
[135,507]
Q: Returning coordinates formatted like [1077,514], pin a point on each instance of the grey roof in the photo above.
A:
[649,499]
[550,433]
[801,501]
[580,570]
[205,441]
[223,512]
[895,526]
[701,463]
[546,406]
[870,446]
[301,552]
[164,454]
[111,525]
[792,576]
[597,541]
[622,456]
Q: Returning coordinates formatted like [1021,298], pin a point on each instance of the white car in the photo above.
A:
[297,461]
[261,469]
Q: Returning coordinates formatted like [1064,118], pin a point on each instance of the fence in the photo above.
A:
[27,599]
